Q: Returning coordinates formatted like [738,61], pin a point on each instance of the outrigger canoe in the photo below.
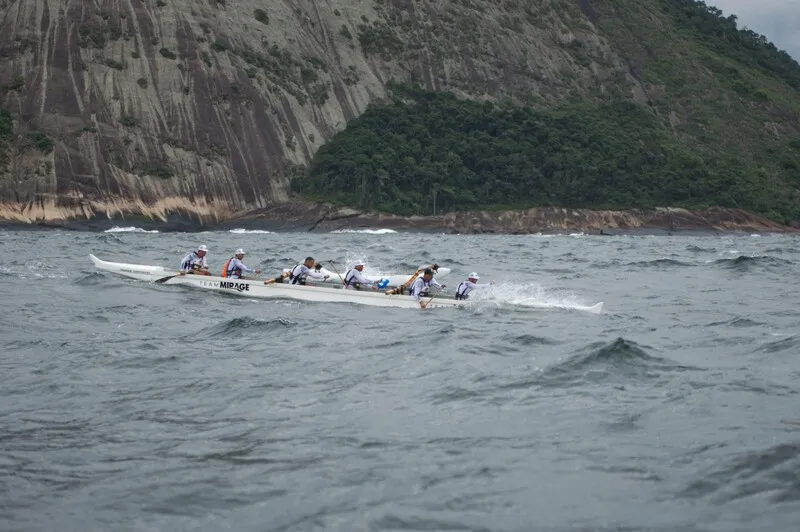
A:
[257,288]
[337,278]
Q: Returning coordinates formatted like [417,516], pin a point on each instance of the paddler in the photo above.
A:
[235,268]
[195,262]
[402,288]
[463,290]
[298,274]
[354,278]
[421,287]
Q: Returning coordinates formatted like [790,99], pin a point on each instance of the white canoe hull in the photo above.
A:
[257,288]
[134,271]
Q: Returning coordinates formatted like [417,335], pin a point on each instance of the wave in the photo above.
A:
[790,343]
[241,231]
[91,279]
[131,229]
[771,472]
[782,250]
[658,263]
[366,231]
[746,263]
[556,235]
[529,339]
[736,322]
[601,361]
[237,325]
[698,249]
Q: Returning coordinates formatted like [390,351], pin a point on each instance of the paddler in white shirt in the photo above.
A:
[354,278]
[421,287]
[195,262]
[235,268]
[298,274]
[463,290]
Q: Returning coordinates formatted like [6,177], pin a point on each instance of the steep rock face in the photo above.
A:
[206,107]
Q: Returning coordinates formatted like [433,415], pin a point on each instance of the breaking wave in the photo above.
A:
[131,229]
[366,231]
[241,231]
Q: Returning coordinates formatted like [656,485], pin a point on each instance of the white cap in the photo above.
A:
[239,251]
[202,248]
[473,275]
[359,263]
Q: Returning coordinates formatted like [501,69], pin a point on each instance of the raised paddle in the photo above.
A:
[337,272]
[405,285]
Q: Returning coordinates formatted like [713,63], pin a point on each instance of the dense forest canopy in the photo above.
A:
[424,152]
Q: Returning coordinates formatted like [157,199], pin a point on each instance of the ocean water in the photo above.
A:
[126,405]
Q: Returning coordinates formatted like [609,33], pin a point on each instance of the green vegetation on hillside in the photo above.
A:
[721,34]
[717,125]
[424,152]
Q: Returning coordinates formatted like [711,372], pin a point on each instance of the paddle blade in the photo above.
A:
[165,279]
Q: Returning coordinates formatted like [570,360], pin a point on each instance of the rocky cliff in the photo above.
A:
[208,108]
[312,216]
[204,107]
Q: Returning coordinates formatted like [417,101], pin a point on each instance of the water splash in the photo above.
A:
[241,231]
[366,231]
[533,295]
[131,229]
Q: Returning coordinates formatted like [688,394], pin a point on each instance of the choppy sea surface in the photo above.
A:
[126,405]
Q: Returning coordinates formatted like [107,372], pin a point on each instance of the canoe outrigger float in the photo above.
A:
[257,289]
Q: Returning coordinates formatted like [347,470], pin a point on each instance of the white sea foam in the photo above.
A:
[241,231]
[131,229]
[366,231]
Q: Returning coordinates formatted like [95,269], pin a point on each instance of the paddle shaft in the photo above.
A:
[431,299]
[337,271]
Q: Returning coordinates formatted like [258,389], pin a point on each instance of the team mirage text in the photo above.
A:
[228,285]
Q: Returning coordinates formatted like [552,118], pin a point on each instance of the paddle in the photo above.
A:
[337,272]
[165,279]
[281,278]
[426,303]
[408,283]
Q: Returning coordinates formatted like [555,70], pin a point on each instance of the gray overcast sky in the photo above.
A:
[778,20]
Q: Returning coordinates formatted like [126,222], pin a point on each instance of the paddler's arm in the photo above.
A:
[244,267]
[283,276]
[363,281]
[316,275]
